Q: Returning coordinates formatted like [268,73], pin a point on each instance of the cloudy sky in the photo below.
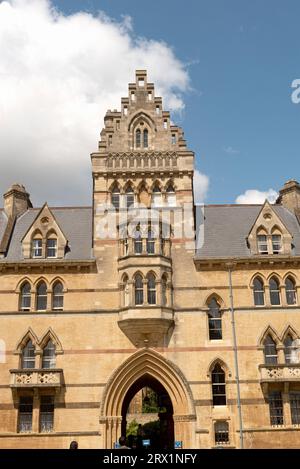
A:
[224,70]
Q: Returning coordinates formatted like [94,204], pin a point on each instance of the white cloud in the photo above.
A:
[58,76]
[201,184]
[230,150]
[253,196]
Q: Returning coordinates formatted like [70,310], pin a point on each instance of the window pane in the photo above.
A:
[276,408]
[295,407]
[218,386]
[139,290]
[49,358]
[51,247]
[288,348]
[151,290]
[276,244]
[25,414]
[145,138]
[290,291]
[46,414]
[138,138]
[41,303]
[221,433]
[262,244]
[259,293]
[274,292]
[58,296]
[28,355]
[270,351]
[36,248]
[150,243]
[25,302]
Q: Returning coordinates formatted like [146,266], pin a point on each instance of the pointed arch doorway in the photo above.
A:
[149,368]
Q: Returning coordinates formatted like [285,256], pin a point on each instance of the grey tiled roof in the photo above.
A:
[226,228]
[3,222]
[75,222]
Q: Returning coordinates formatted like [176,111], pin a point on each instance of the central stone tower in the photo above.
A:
[142,159]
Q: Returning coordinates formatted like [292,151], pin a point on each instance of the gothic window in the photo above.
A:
[259,292]
[49,358]
[288,349]
[171,196]
[218,385]
[41,297]
[214,320]
[270,351]
[164,280]
[115,197]
[276,408]
[138,138]
[46,414]
[138,241]
[126,291]
[173,139]
[156,196]
[36,247]
[25,297]
[290,291]
[25,414]
[274,291]
[150,242]
[139,290]
[221,432]
[58,296]
[145,138]
[151,289]
[28,356]
[129,197]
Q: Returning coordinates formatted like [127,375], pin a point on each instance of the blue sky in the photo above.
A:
[233,60]
[242,57]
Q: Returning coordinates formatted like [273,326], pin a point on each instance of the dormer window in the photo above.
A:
[37,248]
[262,244]
[276,243]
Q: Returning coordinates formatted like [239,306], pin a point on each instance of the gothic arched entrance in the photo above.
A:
[162,435]
[147,367]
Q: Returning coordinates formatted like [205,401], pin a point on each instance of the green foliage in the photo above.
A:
[150,404]
[132,428]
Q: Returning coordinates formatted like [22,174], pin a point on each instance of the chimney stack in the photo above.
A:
[16,201]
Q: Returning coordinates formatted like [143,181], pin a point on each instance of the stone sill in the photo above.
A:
[284,428]
[50,434]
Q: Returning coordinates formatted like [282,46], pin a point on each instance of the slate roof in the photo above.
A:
[75,222]
[226,228]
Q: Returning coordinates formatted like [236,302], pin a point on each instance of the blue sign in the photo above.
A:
[178,444]
[146,442]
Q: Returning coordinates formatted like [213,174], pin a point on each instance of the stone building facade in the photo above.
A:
[201,304]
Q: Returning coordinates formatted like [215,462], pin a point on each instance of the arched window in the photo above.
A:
[49,358]
[115,197]
[171,196]
[25,297]
[28,355]
[37,246]
[214,320]
[58,296]
[259,292]
[164,297]
[288,349]
[151,289]
[274,291]
[145,138]
[138,138]
[139,290]
[218,385]
[126,291]
[156,196]
[290,291]
[138,242]
[270,351]
[51,246]
[41,297]
[150,242]
[129,194]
